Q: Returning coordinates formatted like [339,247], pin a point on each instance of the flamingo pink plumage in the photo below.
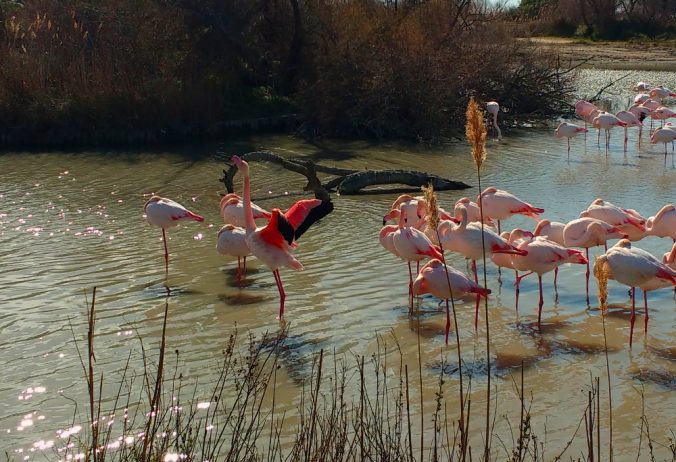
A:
[568,130]
[607,121]
[272,244]
[634,267]
[494,108]
[441,281]
[589,232]
[232,211]
[663,224]
[663,135]
[669,259]
[552,230]
[631,120]
[473,211]
[166,213]
[543,256]
[500,205]
[231,241]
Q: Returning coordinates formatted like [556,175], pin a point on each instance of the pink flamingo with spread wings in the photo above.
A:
[272,243]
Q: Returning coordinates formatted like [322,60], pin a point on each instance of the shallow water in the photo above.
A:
[69,222]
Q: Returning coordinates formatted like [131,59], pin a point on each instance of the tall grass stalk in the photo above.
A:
[433,221]
[601,272]
[475,130]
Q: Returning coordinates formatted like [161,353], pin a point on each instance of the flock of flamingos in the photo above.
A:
[412,239]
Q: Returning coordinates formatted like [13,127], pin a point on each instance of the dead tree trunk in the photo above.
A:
[347,181]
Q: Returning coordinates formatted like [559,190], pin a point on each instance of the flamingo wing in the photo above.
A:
[306,212]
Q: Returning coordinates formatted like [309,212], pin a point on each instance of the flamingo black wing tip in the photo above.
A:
[316,214]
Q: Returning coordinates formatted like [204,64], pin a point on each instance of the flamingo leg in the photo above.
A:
[516,284]
[244,268]
[166,257]
[640,132]
[476,306]
[625,139]
[586,251]
[239,272]
[633,315]
[568,149]
[556,275]
[645,304]
[282,294]
[499,227]
[448,321]
[598,137]
[410,288]
[541,301]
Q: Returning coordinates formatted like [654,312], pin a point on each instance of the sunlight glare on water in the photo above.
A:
[82,226]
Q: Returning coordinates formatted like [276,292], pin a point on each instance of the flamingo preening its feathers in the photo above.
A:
[272,243]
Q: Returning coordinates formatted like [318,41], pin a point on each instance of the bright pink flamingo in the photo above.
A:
[273,242]
[634,267]
[385,238]
[631,120]
[568,130]
[500,205]
[660,93]
[542,257]
[494,108]
[614,215]
[589,232]
[435,278]
[552,230]
[231,241]
[166,213]
[411,244]
[232,211]
[663,224]
[473,211]
[669,259]
[506,260]
[607,121]
[469,240]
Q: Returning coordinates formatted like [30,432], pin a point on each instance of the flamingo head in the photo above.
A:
[420,285]
[391,215]
[150,201]
[242,165]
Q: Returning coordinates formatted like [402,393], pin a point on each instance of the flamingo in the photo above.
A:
[641,87]
[663,224]
[641,98]
[469,240]
[641,113]
[634,267]
[669,259]
[663,135]
[585,109]
[411,244]
[441,281]
[614,215]
[542,257]
[493,108]
[232,211]
[473,211]
[631,120]
[499,205]
[651,104]
[589,232]
[273,242]
[503,260]
[231,241]
[166,213]
[568,131]
[552,230]
[660,92]
[607,121]
[408,206]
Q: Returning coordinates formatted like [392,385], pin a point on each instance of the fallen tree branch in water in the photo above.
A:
[347,181]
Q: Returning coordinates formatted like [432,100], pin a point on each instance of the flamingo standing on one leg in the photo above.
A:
[469,240]
[506,260]
[663,135]
[624,219]
[631,120]
[494,108]
[568,131]
[272,243]
[166,213]
[589,232]
[499,205]
[587,111]
[663,224]
[231,241]
[433,279]
[641,113]
[634,267]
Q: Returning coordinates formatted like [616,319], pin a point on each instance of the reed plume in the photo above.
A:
[602,274]
[433,221]
[475,130]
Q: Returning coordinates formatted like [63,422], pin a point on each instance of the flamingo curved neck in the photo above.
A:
[248,211]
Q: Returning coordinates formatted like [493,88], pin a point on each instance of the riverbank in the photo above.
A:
[637,55]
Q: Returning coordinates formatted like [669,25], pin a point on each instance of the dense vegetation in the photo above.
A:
[600,19]
[130,71]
